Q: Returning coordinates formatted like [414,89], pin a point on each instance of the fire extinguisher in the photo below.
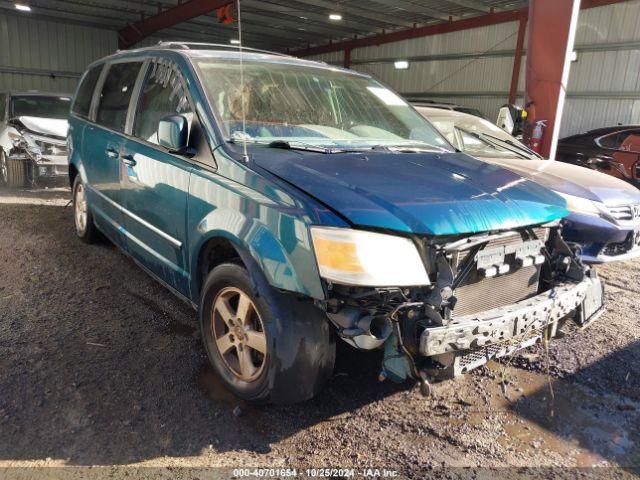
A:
[536,135]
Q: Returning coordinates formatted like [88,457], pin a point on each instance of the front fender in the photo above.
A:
[273,232]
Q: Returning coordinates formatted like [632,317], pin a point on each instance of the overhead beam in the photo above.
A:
[429,30]
[133,33]
[418,32]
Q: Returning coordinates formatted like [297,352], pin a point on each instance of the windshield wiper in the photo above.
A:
[521,148]
[286,145]
[491,140]
[283,144]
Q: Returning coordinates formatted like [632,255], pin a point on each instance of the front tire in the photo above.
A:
[82,216]
[267,346]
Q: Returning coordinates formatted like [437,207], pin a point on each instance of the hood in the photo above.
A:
[573,180]
[52,127]
[423,193]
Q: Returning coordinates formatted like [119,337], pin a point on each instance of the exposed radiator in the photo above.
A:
[478,294]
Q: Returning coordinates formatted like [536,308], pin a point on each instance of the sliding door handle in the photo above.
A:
[129,160]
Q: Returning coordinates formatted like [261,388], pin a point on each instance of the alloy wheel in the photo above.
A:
[80,209]
[239,334]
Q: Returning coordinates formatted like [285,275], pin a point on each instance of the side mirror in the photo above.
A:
[173,133]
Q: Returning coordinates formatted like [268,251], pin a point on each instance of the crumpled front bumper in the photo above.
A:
[515,323]
[49,166]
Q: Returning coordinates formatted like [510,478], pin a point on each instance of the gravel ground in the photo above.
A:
[101,366]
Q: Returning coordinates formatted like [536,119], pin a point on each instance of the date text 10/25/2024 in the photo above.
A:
[314,473]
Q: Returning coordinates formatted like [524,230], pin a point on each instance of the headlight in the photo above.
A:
[354,257]
[17,140]
[582,205]
[51,149]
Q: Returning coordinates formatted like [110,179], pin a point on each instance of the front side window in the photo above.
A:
[39,106]
[311,106]
[82,102]
[116,94]
[163,94]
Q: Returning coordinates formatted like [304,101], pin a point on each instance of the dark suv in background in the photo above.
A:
[612,150]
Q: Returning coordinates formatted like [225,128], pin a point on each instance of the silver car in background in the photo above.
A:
[605,211]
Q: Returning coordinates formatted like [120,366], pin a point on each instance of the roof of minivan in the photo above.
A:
[36,93]
[224,52]
[442,112]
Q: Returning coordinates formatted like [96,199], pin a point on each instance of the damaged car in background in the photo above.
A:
[605,211]
[33,138]
[293,203]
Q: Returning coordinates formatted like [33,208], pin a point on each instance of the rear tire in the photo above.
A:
[82,216]
[16,172]
[4,168]
[287,344]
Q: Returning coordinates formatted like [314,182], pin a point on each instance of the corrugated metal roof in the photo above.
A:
[272,24]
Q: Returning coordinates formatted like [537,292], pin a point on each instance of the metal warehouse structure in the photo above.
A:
[461,51]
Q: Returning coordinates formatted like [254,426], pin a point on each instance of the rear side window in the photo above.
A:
[82,102]
[116,93]
[163,94]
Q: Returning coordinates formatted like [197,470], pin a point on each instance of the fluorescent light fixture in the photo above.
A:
[335,16]
[401,64]
[235,41]
[22,8]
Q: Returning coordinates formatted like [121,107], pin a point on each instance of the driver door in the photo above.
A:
[155,183]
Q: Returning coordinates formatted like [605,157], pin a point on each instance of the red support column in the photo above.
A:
[552,29]
[347,58]
[517,59]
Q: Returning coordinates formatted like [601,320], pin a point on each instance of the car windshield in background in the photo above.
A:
[310,106]
[40,106]
[477,136]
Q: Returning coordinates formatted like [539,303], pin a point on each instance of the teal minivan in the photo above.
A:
[294,204]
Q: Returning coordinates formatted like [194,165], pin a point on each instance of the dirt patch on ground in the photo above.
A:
[102,366]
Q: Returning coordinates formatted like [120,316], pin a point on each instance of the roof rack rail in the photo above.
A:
[191,45]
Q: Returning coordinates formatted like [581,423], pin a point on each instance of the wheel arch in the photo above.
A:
[266,258]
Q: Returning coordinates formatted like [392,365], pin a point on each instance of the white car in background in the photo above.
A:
[605,211]
[33,138]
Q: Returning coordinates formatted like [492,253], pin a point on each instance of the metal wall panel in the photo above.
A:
[48,47]
[334,58]
[603,77]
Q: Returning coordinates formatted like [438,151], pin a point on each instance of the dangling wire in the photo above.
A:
[245,156]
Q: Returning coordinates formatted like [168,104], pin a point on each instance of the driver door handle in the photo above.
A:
[112,152]
[129,160]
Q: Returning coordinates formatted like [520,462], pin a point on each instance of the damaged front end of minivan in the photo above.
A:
[488,295]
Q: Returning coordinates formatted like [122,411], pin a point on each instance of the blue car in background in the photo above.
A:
[605,211]
[293,203]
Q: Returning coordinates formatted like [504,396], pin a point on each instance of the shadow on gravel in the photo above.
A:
[595,409]
[100,365]
[55,192]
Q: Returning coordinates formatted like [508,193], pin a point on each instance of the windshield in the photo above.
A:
[479,137]
[40,106]
[312,107]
